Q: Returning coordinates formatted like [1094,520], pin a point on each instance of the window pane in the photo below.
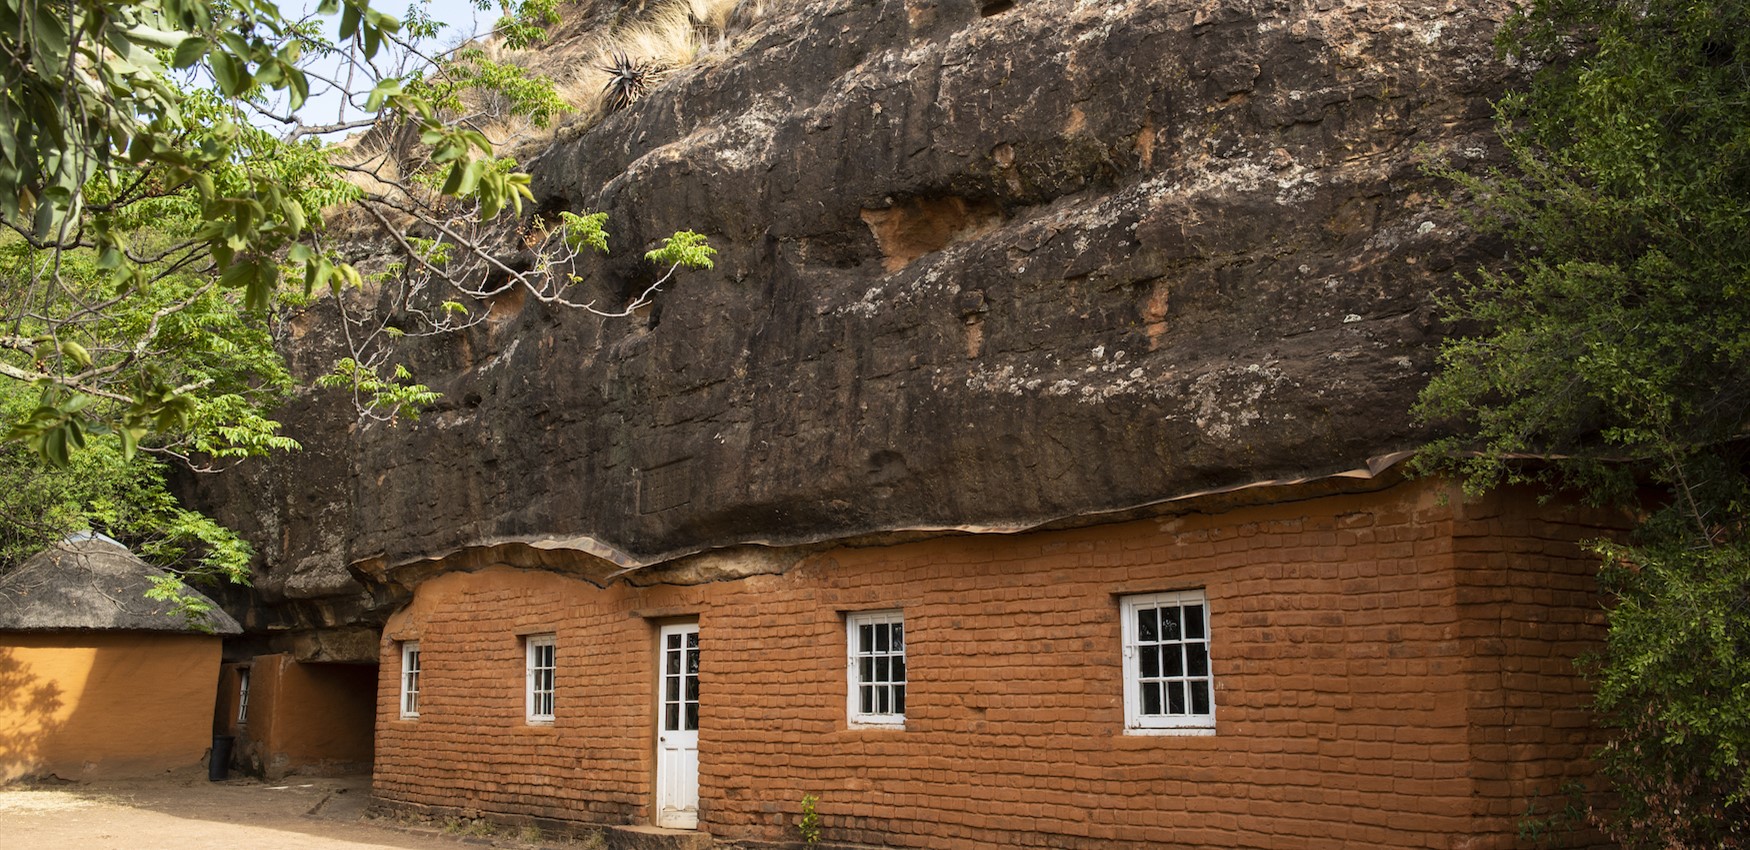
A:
[692,640]
[672,691]
[877,653]
[693,688]
[674,641]
[1169,684]
[671,717]
[1151,697]
[1197,658]
[673,665]
[693,662]
[692,715]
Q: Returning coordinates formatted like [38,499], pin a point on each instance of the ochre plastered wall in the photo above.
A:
[310,719]
[1392,669]
[93,705]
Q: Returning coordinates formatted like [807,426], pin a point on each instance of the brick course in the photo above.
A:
[1393,668]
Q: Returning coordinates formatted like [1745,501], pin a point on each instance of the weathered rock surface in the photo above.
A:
[983,264]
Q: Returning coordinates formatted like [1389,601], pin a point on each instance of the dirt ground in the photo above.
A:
[186,812]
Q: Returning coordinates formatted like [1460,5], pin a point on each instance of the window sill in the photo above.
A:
[862,725]
[1173,731]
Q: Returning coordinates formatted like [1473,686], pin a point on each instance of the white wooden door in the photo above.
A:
[677,729]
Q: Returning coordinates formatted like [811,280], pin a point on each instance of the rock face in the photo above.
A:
[982,265]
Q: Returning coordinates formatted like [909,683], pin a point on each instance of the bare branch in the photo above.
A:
[31,377]
[323,129]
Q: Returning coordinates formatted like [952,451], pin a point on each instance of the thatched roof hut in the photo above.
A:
[91,582]
[96,679]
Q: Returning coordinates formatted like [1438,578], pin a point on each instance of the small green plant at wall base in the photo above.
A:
[467,827]
[808,826]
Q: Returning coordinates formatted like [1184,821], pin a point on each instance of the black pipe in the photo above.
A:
[219,766]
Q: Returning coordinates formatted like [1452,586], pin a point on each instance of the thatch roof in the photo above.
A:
[89,582]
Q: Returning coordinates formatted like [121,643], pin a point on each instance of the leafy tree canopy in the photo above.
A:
[200,339]
[153,238]
[128,156]
[1616,346]
[110,158]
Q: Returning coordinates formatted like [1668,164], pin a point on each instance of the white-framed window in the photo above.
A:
[409,679]
[1168,688]
[875,641]
[242,695]
[542,654]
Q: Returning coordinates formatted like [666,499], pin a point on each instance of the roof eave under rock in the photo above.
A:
[603,563]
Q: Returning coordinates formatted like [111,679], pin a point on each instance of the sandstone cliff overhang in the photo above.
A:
[600,563]
[982,267]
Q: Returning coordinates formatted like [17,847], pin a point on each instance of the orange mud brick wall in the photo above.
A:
[1391,669]
[1529,607]
[308,719]
[99,705]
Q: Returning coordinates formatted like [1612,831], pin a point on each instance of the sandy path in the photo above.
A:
[189,813]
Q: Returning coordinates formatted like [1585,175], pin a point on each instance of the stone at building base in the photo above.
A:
[638,837]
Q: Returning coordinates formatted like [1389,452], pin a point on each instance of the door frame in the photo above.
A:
[680,819]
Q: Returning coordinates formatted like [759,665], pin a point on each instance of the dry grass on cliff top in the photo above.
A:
[667,36]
